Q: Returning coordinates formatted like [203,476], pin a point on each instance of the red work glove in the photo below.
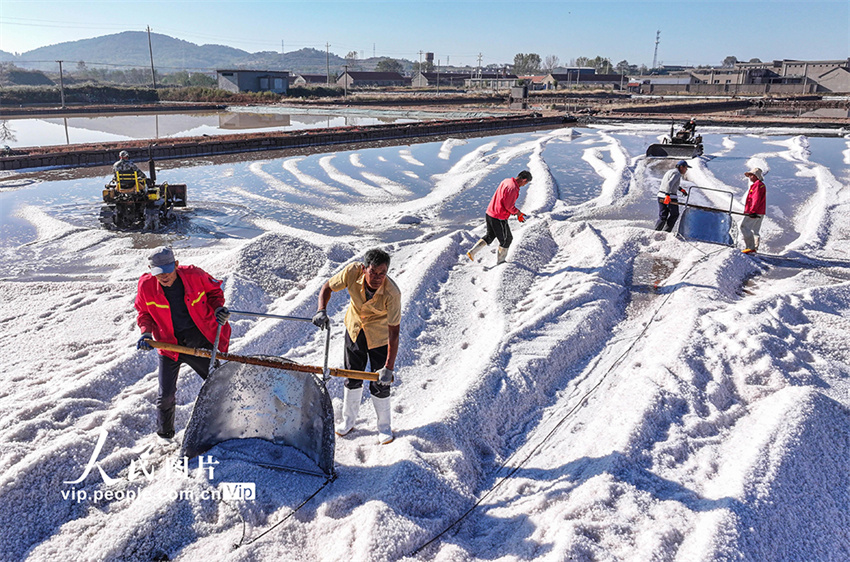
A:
[520,217]
[667,200]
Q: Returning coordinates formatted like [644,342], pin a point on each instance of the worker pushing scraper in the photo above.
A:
[371,335]
[180,305]
[668,196]
[754,209]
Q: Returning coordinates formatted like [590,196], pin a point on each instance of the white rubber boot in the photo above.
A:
[475,249]
[350,407]
[501,255]
[382,409]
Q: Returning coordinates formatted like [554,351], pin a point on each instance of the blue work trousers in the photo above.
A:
[668,214]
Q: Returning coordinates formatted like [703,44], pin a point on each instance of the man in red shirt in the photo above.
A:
[182,305]
[502,206]
[754,208]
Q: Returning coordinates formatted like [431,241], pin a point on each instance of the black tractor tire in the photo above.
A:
[107,217]
[152,220]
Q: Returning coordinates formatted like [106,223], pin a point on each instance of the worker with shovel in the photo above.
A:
[371,335]
[668,197]
[181,305]
[502,206]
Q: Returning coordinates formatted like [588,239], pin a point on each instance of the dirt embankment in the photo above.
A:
[99,154]
[112,109]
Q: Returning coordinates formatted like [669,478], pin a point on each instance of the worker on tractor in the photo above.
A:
[501,207]
[183,305]
[371,335]
[124,168]
[688,130]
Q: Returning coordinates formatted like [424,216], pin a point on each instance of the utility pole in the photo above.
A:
[345,83]
[61,85]
[328,60]
[655,56]
[438,77]
[150,48]
[373,50]
[281,47]
[479,69]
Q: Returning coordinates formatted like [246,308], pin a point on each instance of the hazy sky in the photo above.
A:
[692,31]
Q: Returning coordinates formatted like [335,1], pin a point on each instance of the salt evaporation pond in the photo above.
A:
[22,132]
[610,393]
[225,198]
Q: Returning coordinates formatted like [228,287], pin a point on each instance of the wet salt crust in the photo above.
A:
[611,392]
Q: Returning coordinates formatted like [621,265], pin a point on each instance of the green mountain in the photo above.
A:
[129,49]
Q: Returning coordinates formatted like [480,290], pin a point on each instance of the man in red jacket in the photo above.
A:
[182,305]
[502,206]
[754,208]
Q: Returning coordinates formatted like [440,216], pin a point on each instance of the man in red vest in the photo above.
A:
[182,305]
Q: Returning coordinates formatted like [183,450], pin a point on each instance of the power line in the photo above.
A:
[64,25]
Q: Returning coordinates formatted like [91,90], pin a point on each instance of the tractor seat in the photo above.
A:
[128,182]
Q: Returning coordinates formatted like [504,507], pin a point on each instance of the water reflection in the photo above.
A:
[48,131]
[7,134]
[239,121]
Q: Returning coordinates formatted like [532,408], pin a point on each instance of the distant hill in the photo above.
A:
[130,49]
[20,77]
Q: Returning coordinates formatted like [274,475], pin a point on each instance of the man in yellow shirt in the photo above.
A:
[371,334]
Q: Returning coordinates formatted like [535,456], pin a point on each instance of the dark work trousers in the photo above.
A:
[498,228]
[166,400]
[667,215]
[356,355]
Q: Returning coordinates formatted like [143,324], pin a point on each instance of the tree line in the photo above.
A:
[530,63]
[10,75]
[524,64]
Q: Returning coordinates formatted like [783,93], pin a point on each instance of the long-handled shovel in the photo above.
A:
[325,373]
[265,362]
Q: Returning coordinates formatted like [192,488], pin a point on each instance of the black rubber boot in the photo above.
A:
[166,423]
